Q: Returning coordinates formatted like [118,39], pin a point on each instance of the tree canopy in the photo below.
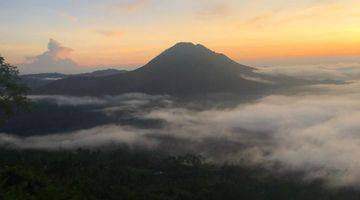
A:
[124,173]
[12,92]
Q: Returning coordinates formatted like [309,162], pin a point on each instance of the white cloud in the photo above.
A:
[56,58]
[316,132]
[338,72]
[95,137]
[125,100]
[68,100]
[308,73]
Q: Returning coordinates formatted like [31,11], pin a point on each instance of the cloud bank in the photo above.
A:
[316,72]
[99,136]
[128,100]
[316,132]
[56,58]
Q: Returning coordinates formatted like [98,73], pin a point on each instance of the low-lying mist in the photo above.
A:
[316,131]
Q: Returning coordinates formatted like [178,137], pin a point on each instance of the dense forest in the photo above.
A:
[124,173]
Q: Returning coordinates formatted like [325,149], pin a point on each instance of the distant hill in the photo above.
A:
[34,81]
[183,69]
[100,73]
[37,80]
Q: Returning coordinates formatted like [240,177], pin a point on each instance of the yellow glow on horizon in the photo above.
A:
[323,29]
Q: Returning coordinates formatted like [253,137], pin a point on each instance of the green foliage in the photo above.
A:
[129,174]
[12,93]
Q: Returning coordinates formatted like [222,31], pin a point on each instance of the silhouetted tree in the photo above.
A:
[12,92]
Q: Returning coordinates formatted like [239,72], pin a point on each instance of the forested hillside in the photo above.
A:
[130,174]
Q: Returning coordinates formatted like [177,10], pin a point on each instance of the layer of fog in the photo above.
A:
[130,99]
[316,132]
[102,135]
[316,72]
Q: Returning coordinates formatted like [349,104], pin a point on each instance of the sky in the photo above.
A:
[43,35]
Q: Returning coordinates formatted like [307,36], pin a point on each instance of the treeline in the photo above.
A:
[134,174]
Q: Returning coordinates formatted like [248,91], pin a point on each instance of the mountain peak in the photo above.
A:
[189,46]
[187,57]
[184,44]
[187,49]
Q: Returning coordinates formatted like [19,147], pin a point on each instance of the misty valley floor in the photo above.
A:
[299,145]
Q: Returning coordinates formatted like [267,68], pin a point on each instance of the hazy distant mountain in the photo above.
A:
[180,70]
[105,72]
[34,81]
[37,80]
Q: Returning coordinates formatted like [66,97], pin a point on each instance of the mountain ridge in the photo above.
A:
[34,81]
[182,69]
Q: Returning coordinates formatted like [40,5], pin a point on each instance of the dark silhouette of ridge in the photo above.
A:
[34,81]
[103,72]
[184,69]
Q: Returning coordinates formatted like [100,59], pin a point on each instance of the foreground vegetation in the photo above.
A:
[129,174]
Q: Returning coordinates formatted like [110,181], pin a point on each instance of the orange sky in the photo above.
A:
[130,32]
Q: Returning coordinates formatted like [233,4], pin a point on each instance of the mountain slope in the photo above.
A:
[183,69]
[104,72]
